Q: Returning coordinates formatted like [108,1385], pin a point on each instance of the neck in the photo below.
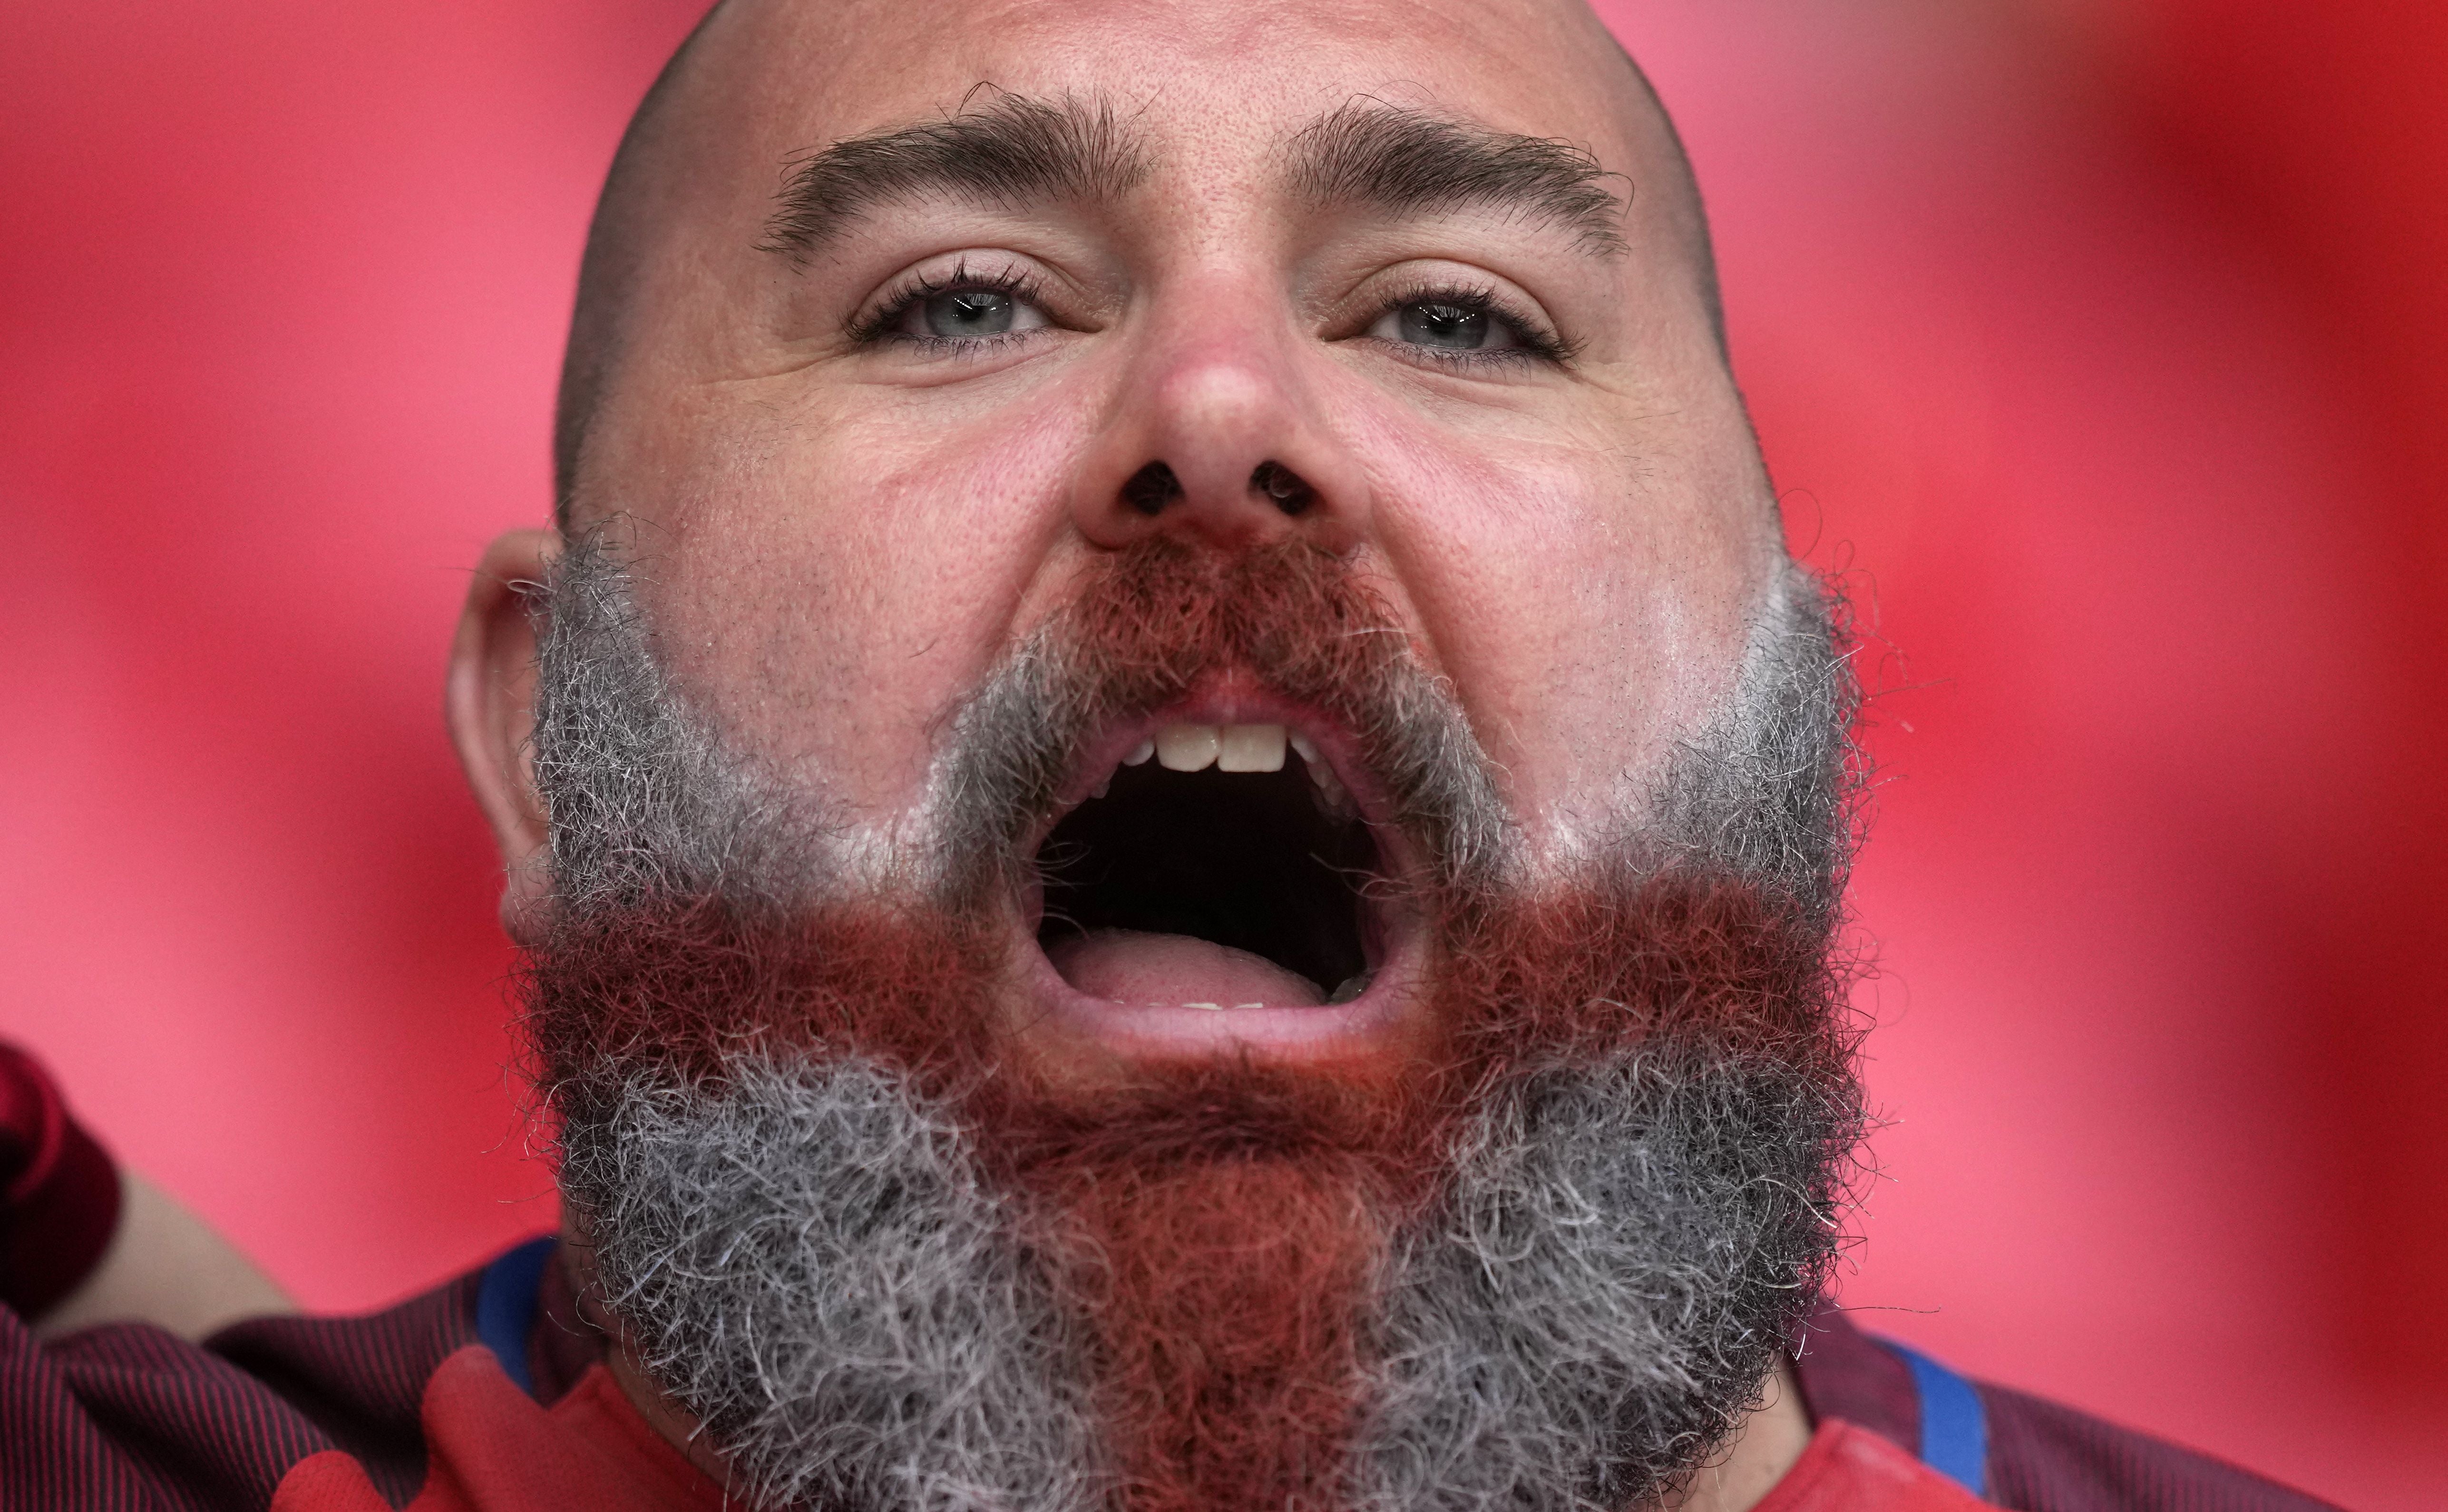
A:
[1766,1446]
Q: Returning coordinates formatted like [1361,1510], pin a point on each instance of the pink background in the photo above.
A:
[2098,343]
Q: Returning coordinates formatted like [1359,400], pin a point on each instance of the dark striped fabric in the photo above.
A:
[131,1417]
[2042,1457]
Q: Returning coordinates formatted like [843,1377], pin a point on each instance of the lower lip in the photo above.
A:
[1163,1031]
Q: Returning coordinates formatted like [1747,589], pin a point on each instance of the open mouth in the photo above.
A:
[1221,869]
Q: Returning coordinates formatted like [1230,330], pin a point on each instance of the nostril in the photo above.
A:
[1290,492]
[1151,488]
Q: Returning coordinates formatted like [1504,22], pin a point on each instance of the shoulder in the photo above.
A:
[130,1414]
[2039,1456]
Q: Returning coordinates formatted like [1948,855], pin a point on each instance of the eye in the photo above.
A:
[1464,326]
[957,313]
[1444,325]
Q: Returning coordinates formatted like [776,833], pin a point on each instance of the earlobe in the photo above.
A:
[491,707]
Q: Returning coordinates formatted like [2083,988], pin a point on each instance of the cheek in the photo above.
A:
[848,573]
[1588,594]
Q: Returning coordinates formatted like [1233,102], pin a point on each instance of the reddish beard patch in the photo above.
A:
[1605,965]
[1226,1296]
[1149,621]
[676,989]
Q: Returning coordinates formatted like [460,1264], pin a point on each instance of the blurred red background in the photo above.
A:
[2099,346]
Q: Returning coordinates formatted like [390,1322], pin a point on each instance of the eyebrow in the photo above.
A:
[1409,163]
[1015,149]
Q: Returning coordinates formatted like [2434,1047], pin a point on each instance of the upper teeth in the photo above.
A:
[1229,747]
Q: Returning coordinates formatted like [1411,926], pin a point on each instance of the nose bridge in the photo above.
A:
[1215,431]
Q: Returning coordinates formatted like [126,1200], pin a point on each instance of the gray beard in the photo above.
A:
[1587,1315]
[810,1263]
[808,1260]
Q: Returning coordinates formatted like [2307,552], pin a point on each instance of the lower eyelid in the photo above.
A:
[1500,356]
[949,348]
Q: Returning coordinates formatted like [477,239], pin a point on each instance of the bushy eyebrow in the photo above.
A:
[1409,162]
[1402,162]
[1013,150]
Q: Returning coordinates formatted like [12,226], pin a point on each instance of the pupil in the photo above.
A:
[1444,326]
[969,312]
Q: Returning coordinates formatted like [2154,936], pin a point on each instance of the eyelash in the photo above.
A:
[1534,343]
[877,329]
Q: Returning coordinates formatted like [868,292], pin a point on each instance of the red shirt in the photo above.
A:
[493,1448]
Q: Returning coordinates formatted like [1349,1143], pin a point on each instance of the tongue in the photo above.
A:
[1125,966]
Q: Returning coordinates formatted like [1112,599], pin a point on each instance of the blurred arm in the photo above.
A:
[168,1267]
[82,1243]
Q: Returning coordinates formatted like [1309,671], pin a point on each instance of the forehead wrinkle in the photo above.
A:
[1017,149]
[1407,162]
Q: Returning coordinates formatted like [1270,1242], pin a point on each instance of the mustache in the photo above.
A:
[1142,628]
[648,805]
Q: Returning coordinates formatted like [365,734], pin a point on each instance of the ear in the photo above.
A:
[490,706]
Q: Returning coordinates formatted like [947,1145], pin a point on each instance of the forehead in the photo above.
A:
[1209,89]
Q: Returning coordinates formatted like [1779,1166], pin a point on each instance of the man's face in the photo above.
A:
[1193,812]
[1327,266]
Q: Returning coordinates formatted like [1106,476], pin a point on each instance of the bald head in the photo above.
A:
[617,238]
[657,145]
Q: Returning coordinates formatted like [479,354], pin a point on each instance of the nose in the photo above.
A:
[1216,438]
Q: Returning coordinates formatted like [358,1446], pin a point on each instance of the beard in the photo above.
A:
[887,1264]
